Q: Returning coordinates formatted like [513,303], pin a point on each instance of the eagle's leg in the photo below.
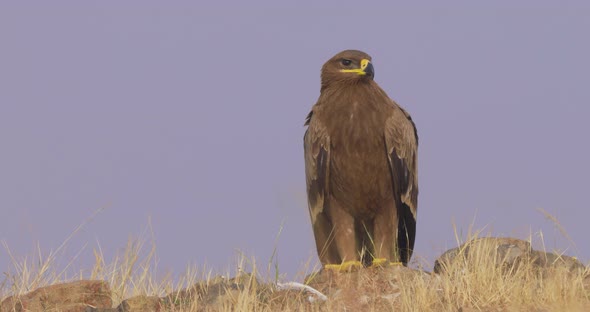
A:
[385,235]
[324,238]
[344,236]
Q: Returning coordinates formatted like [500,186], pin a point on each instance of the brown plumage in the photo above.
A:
[361,168]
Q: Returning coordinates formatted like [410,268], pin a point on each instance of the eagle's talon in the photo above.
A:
[344,266]
[350,266]
[332,267]
[378,262]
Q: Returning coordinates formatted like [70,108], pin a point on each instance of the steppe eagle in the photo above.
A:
[361,169]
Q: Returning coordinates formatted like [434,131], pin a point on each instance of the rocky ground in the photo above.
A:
[485,274]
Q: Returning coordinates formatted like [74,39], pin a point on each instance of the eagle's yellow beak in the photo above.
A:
[366,69]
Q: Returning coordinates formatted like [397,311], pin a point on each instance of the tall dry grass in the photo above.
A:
[477,283]
[480,282]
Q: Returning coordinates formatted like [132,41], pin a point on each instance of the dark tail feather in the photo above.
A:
[406,233]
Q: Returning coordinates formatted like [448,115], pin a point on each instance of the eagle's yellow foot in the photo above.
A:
[378,262]
[344,266]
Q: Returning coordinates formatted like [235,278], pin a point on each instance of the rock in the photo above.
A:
[549,259]
[91,309]
[216,293]
[141,304]
[506,252]
[68,297]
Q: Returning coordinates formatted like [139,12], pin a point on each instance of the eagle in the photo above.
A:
[361,169]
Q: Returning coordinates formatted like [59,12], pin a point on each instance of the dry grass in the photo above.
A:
[476,283]
[479,282]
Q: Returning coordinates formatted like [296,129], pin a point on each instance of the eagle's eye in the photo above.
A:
[346,62]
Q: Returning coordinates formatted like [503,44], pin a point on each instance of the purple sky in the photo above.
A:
[192,116]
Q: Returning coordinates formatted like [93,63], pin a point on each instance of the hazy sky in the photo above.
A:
[191,115]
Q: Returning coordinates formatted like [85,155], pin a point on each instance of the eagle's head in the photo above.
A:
[348,66]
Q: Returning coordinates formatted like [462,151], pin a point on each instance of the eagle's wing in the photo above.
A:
[316,143]
[401,140]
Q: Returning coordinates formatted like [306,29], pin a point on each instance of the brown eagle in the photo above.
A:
[361,168]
